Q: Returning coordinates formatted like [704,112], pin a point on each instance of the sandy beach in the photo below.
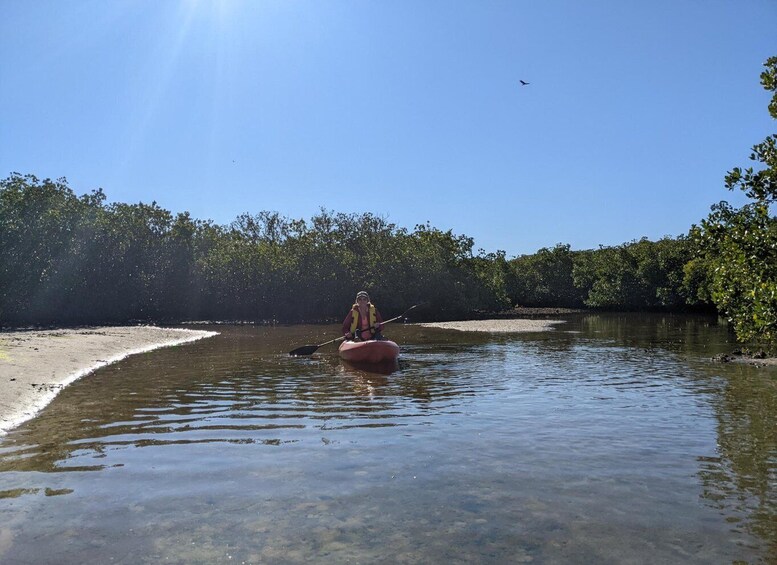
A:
[36,364]
[497,326]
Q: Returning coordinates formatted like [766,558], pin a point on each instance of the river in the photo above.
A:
[612,439]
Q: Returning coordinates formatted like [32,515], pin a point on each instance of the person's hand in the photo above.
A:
[349,335]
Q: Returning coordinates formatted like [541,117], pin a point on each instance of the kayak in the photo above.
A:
[372,351]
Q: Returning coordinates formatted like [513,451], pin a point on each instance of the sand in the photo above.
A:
[497,326]
[36,364]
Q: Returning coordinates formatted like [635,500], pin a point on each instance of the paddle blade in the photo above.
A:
[304,350]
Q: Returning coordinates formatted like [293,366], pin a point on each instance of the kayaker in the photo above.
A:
[364,321]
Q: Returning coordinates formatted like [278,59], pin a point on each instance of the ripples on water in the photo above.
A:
[610,440]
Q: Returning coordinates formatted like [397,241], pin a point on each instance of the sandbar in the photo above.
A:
[497,326]
[36,364]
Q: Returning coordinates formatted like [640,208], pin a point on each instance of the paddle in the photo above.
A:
[311,349]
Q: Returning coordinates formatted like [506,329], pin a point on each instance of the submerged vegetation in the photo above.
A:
[77,259]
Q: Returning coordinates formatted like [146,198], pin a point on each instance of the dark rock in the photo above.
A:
[723,358]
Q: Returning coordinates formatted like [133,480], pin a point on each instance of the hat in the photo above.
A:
[362,293]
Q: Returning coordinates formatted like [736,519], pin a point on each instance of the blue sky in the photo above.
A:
[408,109]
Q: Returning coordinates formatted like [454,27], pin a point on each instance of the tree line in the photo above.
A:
[640,275]
[76,259]
[69,259]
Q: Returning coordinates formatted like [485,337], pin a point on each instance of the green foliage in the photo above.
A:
[641,275]
[490,274]
[737,248]
[635,276]
[740,247]
[545,279]
[69,259]
[39,222]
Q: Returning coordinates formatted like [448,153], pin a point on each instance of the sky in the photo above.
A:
[408,109]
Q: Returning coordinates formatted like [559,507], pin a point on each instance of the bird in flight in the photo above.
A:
[523,82]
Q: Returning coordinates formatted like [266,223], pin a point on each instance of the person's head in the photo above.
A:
[362,297]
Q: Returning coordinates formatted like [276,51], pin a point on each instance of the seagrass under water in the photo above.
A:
[612,439]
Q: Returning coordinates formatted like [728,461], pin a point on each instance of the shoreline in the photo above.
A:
[511,325]
[745,359]
[35,365]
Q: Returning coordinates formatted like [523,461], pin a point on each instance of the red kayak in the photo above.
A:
[372,351]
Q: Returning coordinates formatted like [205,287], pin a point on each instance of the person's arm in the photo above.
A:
[378,321]
[347,325]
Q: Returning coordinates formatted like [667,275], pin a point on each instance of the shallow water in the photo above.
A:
[613,439]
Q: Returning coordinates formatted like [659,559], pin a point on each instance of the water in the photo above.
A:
[613,439]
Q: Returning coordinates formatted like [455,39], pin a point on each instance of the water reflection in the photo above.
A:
[227,392]
[611,439]
[741,481]
[366,369]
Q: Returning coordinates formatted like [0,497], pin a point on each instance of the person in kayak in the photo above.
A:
[364,321]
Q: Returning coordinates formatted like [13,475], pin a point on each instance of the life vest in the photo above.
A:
[355,322]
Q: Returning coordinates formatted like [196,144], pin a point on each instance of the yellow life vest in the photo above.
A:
[355,322]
